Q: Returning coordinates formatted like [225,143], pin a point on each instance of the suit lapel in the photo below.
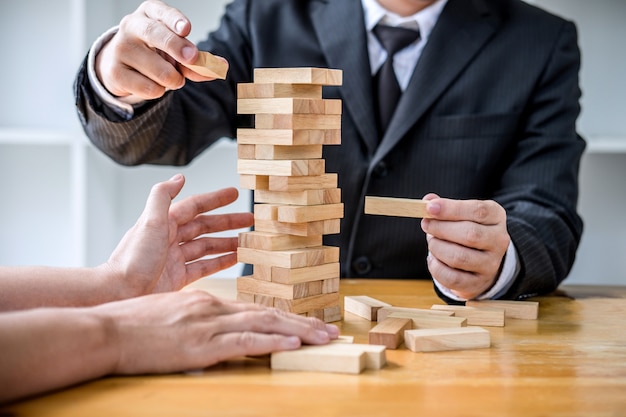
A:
[341,33]
[462,29]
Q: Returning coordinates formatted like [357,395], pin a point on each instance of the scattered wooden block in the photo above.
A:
[385,311]
[317,76]
[303,198]
[363,306]
[302,183]
[350,358]
[298,122]
[526,310]
[434,340]
[323,227]
[390,332]
[278,90]
[209,65]
[425,321]
[475,316]
[401,207]
[287,167]
[287,136]
[305,214]
[277,241]
[293,258]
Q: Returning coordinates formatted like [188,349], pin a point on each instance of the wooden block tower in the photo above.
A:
[296,201]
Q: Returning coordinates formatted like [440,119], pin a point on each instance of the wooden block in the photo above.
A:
[384,312]
[475,316]
[323,227]
[304,214]
[525,310]
[363,306]
[312,288]
[317,76]
[401,207]
[424,321]
[433,340]
[282,152]
[209,65]
[298,122]
[325,358]
[246,151]
[266,212]
[303,305]
[288,136]
[277,241]
[332,314]
[293,258]
[277,90]
[306,274]
[301,198]
[288,105]
[318,314]
[254,182]
[302,183]
[249,285]
[330,285]
[264,300]
[343,339]
[390,333]
[288,167]
[262,272]
[245,297]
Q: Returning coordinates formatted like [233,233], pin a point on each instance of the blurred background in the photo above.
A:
[64,203]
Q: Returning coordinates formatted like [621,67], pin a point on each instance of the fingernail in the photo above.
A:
[433,208]
[188,52]
[291,342]
[176,177]
[332,330]
[322,336]
[180,26]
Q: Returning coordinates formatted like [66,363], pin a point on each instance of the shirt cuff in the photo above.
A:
[123,106]
[510,270]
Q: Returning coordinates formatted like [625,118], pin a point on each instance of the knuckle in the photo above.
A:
[474,235]
[481,210]
[246,340]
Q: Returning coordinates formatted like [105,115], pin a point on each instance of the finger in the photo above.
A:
[479,211]
[462,283]
[201,225]
[170,32]
[186,210]
[205,267]
[237,344]
[205,246]
[460,257]
[161,195]
[464,233]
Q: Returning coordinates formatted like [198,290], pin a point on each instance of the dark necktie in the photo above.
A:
[393,39]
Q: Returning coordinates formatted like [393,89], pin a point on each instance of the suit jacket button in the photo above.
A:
[381,170]
[362,265]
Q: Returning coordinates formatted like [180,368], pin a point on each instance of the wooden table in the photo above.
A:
[572,361]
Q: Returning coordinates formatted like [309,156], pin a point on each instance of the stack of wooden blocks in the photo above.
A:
[296,201]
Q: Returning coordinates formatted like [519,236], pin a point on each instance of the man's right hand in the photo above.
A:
[142,59]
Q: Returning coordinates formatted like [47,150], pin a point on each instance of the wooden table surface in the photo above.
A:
[569,362]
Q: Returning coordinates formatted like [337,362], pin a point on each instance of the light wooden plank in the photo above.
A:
[272,135]
[287,167]
[277,241]
[304,214]
[525,310]
[320,273]
[401,207]
[304,75]
[323,227]
[476,316]
[384,312]
[209,65]
[293,258]
[278,90]
[390,333]
[435,340]
[302,183]
[298,122]
[254,182]
[300,198]
[303,305]
[363,306]
[287,106]
[422,321]
[282,152]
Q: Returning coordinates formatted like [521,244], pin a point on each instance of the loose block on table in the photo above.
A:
[432,340]
[390,332]
[476,316]
[363,306]
[526,310]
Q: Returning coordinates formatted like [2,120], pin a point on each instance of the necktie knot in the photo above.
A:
[394,39]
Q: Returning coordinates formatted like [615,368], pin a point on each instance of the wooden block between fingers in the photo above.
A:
[400,207]
[209,65]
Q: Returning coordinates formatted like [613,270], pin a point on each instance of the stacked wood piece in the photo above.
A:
[296,201]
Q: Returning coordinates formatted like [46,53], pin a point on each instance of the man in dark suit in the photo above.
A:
[486,120]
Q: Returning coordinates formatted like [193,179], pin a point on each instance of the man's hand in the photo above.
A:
[142,57]
[467,240]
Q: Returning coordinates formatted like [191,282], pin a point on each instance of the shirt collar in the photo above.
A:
[425,19]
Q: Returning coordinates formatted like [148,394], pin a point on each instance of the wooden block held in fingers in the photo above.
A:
[475,316]
[363,306]
[434,340]
[272,135]
[301,198]
[302,183]
[421,321]
[400,207]
[293,258]
[385,311]
[277,241]
[390,332]
[525,310]
[286,167]
[316,76]
[278,90]
[209,65]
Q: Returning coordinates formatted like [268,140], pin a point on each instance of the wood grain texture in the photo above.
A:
[209,65]
[400,207]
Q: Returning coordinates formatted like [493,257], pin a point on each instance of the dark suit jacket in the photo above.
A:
[489,113]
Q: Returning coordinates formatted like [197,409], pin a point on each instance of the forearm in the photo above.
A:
[31,287]
[45,349]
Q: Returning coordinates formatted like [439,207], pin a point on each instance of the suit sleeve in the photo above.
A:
[540,187]
[175,129]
